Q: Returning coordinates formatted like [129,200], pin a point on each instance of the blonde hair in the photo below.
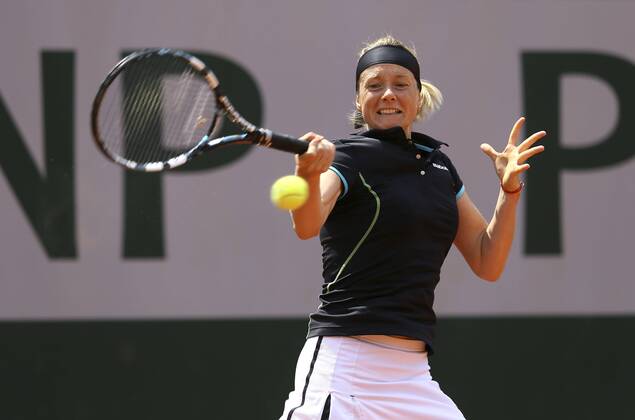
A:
[430,97]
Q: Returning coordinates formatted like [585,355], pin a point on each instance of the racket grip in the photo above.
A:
[288,143]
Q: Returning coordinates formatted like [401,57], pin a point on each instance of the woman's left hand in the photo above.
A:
[510,163]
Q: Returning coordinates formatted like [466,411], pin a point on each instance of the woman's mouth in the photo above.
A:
[388,111]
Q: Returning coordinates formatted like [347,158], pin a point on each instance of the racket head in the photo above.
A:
[156,109]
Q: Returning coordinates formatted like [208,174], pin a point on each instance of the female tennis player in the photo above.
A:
[388,204]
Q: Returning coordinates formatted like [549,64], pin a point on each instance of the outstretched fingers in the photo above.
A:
[521,168]
[531,140]
[516,129]
[489,151]
[522,157]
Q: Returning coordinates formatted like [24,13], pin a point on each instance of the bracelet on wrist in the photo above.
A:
[517,190]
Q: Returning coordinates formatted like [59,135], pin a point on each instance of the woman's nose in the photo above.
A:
[388,94]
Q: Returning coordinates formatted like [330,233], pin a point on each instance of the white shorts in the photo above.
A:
[345,378]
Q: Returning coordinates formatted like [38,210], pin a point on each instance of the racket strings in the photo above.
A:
[133,103]
[158,126]
[156,109]
[195,106]
[146,142]
[176,92]
[190,115]
[142,107]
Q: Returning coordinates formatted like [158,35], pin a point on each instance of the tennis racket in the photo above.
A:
[157,109]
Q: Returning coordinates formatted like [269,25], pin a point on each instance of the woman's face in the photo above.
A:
[388,97]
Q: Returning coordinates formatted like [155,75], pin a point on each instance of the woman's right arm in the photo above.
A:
[324,186]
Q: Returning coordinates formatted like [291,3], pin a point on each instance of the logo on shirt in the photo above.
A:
[436,165]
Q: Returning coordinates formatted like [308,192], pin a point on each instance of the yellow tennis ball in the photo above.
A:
[289,192]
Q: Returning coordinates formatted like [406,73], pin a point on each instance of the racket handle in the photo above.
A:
[286,143]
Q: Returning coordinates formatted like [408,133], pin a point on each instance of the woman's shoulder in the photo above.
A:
[354,139]
[429,143]
[355,143]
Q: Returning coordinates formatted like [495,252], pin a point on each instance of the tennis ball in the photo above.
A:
[289,192]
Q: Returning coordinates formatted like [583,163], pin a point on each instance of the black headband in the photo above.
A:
[390,54]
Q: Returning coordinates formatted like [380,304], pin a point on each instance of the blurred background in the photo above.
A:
[186,295]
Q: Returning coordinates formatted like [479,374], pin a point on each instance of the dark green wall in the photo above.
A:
[494,368]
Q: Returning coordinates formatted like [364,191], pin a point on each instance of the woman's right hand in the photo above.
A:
[317,158]
[323,189]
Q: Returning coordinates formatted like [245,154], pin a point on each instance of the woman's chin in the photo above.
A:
[386,124]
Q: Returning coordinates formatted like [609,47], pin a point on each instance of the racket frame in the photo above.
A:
[251,133]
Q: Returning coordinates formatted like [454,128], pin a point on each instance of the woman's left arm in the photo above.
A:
[485,246]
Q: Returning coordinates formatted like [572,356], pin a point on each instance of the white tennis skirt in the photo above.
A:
[348,378]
